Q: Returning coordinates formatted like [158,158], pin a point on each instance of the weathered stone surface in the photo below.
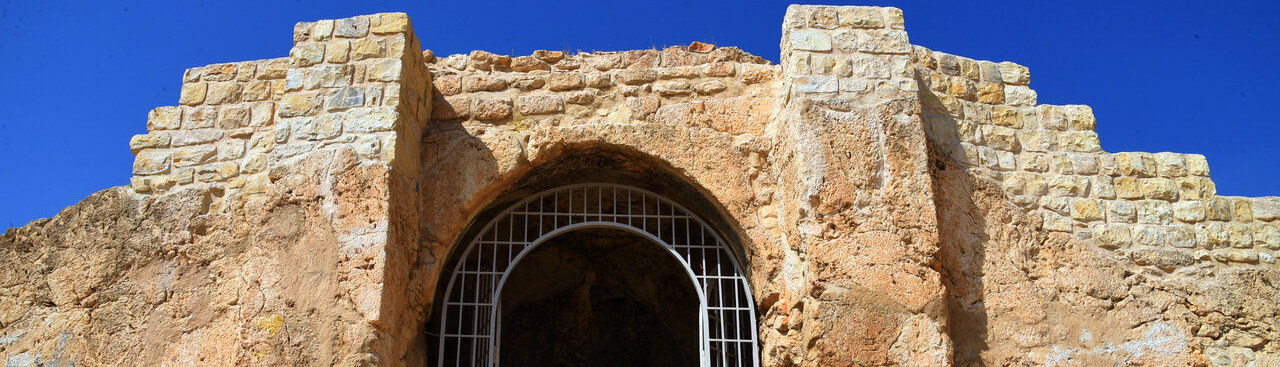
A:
[892,205]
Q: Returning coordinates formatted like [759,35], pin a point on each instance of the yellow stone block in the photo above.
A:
[192,94]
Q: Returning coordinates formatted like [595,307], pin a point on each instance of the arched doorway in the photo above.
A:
[469,335]
[592,296]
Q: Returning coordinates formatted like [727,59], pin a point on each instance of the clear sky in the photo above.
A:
[79,77]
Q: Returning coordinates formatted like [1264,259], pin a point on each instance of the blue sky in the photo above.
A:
[79,78]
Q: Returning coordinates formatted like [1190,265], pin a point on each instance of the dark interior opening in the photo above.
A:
[599,297]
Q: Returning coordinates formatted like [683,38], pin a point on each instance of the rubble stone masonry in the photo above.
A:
[894,205]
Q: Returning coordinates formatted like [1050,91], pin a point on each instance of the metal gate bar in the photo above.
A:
[471,317]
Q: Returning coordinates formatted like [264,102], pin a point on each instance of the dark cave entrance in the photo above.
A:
[599,297]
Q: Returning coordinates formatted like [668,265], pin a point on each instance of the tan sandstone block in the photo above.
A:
[389,23]
[164,118]
[488,109]
[1128,188]
[300,104]
[860,17]
[1188,211]
[151,163]
[1112,236]
[1085,210]
[192,94]
[540,104]
[1159,188]
[144,141]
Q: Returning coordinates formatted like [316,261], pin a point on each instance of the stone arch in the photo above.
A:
[468,333]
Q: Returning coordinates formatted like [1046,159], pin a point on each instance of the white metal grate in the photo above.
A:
[726,322]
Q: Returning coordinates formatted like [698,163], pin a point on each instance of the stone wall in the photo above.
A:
[1159,209]
[1137,250]
[894,206]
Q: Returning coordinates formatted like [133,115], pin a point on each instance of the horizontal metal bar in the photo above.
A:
[642,216]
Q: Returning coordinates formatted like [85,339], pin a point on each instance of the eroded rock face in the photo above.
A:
[892,206]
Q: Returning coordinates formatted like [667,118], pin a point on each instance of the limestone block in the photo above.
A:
[1112,236]
[1128,188]
[636,76]
[1034,162]
[1103,188]
[1266,209]
[306,54]
[164,118]
[199,117]
[300,104]
[526,64]
[1197,165]
[1080,141]
[1084,164]
[1068,186]
[1159,188]
[581,98]
[1267,235]
[389,23]
[1057,223]
[1136,164]
[230,149]
[217,172]
[485,61]
[1241,235]
[257,90]
[1085,210]
[273,69]
[810,40]
[991,93]
[1018,95]
[673,88]
[367,120]
[679,72]
[322,30]
[1166,260]
[219,73]
[345,98]
[260,114]
[1011,73]
[1189,188]
[1218,209]
[221,93]
[1121,212]
[354,27]
[320,127]
[1154,212]
[1171,165]
[232,117]
[1236,256]
[488,109]
[1038,140]
[192,94]
[1213,235]
[1243,209]
[710,87]
[369,48]
[1189,211]
[151,163]
[860,17]
[186,138]
[387,70]
[1181,236]
[193,156]
[540,104]
[144,141]
[817,84]
[328,76]
[1052,117]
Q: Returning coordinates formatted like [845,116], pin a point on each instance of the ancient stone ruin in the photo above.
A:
[867,202]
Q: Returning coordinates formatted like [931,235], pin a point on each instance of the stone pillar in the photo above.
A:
[360,82]
[857,202]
